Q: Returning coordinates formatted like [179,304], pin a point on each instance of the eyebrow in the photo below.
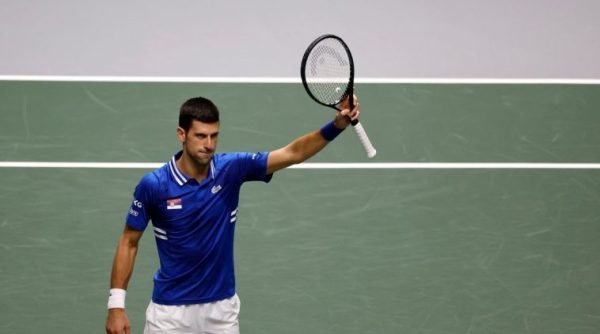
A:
[206,134]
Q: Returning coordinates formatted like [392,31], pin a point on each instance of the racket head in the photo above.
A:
[327,71]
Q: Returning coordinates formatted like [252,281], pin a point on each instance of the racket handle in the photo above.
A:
[364,140]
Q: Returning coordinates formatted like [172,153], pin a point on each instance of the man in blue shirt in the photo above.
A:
[192,202]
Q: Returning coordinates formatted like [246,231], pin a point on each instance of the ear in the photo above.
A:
[181,134]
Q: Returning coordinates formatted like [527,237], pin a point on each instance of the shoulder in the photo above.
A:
[153,180]
[230,157]
[221,160]
[227,157]
[245,166]
[154,177]
[241,160]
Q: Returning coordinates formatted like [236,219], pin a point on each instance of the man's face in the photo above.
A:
[200,141]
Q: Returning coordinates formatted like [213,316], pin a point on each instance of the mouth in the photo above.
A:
[204,154]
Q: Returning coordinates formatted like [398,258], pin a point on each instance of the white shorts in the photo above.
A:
[221,317]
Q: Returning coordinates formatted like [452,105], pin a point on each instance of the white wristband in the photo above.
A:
[116,298]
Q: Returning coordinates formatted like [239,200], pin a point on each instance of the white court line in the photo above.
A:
[448,165]
[142,79]
[123,165]
[320,165]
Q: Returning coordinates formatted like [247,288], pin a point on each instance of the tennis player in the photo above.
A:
[192,202]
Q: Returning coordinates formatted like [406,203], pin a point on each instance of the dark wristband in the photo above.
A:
[329,131]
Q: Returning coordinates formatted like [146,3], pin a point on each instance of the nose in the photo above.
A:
[209,144]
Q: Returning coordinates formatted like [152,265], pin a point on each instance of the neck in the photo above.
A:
[192,168]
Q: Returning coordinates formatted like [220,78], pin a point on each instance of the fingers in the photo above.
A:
[345,117]
[345,104]
[348,115]
[125,329]
[351,114]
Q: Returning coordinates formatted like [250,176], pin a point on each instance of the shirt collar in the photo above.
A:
[179,177]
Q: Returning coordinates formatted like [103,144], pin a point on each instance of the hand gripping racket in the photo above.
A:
[327,72]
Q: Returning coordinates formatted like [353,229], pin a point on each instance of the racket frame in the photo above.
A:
[349,93]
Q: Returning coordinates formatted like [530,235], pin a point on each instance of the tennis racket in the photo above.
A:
[327,72]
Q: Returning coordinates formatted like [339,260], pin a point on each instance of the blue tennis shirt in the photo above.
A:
[194,224]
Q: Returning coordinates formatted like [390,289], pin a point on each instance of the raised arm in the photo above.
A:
[304,147]
[117,321]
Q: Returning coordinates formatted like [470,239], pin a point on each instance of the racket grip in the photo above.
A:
[364,140]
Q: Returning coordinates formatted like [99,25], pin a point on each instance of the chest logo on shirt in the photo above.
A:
[216,189]
[174,204]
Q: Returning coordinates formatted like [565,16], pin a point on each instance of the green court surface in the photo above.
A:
[319,251]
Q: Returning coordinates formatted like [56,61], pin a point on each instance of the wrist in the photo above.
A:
[329,131]
[116,299]
[116,311]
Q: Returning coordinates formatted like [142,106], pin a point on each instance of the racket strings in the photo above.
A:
[328,71]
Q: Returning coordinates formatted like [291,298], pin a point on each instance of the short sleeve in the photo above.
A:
[254,166]
[139,211]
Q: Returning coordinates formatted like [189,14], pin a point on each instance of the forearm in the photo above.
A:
[304,147]
[117,321]
[301,148]
[296,152]
[310,144]
[123,264]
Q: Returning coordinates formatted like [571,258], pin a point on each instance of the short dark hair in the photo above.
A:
[199,109]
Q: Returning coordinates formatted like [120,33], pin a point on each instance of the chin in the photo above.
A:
[204,158]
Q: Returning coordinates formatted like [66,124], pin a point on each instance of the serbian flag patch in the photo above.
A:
[174,204]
